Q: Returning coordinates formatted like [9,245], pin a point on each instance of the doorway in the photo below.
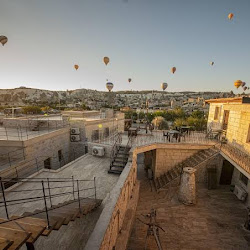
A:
[225,119]
[47,163]
[226,173]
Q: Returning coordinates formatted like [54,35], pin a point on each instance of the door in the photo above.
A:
[226,173]
[225,119]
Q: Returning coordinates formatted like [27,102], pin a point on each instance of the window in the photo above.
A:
[248,134]
[59,155]
[106,132]
[216,113]
[47,163]
[243,179]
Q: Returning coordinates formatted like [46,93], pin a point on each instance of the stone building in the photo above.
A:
[231,117]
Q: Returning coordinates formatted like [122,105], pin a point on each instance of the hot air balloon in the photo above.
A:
[237,83]
[106,60]
[129,80]
[3,40]
[76,66]
[230,16]
[212,63]
[109,86]
[164,85]
[245,88]
[173,70]
[243,84]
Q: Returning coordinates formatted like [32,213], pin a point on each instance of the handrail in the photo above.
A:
[46,192]
[115,148]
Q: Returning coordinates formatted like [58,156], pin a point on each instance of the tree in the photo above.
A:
[180,122]
[31,110]
[160,123]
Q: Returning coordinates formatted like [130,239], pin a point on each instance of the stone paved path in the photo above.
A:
[216,222]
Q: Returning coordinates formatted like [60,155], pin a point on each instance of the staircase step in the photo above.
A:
[55,212]
[59,220]
[5,243]
[115,171]
[73,212]
[118,164]
[38,222]
[35,230]
[18,237]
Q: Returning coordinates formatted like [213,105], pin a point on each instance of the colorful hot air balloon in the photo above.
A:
[237,83]
[109,86]
[106,60]
[230,16]
[3,40]
[164,85]
[173,70]
[129,80]
[243,84]
[212,63]
[76,66]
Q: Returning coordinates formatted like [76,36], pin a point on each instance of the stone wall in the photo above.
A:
[110,222]
[47,146]
[238,123]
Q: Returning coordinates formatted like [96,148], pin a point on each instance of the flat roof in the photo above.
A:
[242,100]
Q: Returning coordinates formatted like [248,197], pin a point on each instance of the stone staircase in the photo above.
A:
[193,161]
[120,160]
[27,228]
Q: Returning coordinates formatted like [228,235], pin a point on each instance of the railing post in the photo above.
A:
[16,173]
[78,193]
[45,203]
[4,199]
[37,165]
[95,187]
[73,186]
[50,200]
[9,159]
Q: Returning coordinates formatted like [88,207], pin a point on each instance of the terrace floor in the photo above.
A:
[215,222]
[74,235]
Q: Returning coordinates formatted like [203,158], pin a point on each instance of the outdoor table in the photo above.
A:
[185,129]
[132,131]
[175,134]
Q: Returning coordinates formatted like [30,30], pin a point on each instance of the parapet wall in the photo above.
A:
[111,219]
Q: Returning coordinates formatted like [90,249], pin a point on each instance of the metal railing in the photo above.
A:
[49,192]
[195,137]
[25,168]
[30,129]
[237,155]
[115,148]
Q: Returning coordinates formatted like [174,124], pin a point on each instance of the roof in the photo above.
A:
[242,100]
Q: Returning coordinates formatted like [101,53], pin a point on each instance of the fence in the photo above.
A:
[20,130]
[28,167]
[43,193]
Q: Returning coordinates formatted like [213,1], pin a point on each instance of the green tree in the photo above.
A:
[32,110]
[160,123]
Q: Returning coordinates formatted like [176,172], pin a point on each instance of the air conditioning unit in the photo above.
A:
[75,138]
[240,193]
[74,131]
[98,151]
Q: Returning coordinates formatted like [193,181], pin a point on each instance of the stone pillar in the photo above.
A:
[187,192]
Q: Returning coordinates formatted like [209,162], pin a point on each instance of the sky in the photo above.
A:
[142,38]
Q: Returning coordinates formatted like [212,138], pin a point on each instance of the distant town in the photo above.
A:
[95,100]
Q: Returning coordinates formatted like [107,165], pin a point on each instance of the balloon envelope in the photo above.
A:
[109,86]
[129,80]
[243,84]
[3,40]
[106,60]
[212,63]
[164,85]
[230,16]
[245,88]
[76,66]
[173,70]
[237,83]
